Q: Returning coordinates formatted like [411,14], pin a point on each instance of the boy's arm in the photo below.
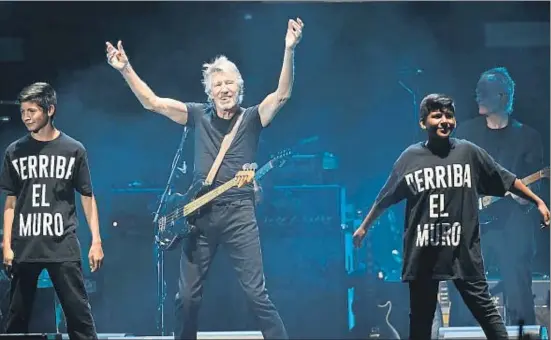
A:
[90,208]
[9,210]
[394,191]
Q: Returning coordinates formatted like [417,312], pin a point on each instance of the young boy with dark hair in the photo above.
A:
[441,180]
[40,174]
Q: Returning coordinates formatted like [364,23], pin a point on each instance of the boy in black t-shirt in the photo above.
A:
[441,179]
[40,174]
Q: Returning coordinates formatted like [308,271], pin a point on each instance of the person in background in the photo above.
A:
[508,225]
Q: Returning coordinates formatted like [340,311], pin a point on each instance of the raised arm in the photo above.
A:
[271,105]
[173,109]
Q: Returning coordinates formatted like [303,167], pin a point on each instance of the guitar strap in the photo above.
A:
[224,146]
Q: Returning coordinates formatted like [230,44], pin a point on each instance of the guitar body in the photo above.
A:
[176,223]
[489,206]
[169,234]
[371,310]
[490,214]
[180,211]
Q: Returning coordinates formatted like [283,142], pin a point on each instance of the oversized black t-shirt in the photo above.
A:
[209,132]
[441,231]
[44,176]
[517,147]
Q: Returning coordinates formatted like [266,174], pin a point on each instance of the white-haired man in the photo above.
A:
[230,219]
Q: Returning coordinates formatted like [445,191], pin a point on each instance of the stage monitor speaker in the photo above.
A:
[244,335]
[530,332]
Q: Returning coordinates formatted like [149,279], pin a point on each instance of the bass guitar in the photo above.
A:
[276,161]
[177,224]
[484,203]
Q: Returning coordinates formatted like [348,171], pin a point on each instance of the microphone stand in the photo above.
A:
[158,252]
[413,99]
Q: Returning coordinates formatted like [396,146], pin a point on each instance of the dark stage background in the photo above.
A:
[356,68]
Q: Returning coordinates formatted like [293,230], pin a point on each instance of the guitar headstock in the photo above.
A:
[281,157]
[544,173]
[246,175]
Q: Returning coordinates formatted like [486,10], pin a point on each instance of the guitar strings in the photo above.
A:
[182,211]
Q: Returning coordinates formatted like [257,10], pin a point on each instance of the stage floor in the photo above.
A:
[249,335]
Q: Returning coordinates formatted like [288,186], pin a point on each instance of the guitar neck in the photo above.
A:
[532,178]
[487,200]
[206,198]
[263,170]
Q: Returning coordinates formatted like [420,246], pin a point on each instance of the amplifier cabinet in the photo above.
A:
[304,258]
[540,290]
[129,271]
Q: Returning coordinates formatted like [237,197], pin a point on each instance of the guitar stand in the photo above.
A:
[158,252]
[161,288]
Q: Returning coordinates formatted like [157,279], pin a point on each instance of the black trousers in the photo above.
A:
[68,283]
[511,249]
[234,227]
[423,299]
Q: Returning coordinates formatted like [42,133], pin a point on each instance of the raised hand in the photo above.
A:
[116,57]
[294,33]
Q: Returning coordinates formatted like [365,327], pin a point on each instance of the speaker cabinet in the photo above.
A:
[304,258]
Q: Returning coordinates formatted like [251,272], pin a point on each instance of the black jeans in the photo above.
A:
[512,248]
[233,226]
[68,283]
[423,298]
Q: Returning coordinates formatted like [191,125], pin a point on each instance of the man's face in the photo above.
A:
[490,95]
[440,124]
[225,90]
[33,116]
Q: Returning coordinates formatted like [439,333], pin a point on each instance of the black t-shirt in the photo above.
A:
[209,132]
[517,147]
[441,232]
[44,176]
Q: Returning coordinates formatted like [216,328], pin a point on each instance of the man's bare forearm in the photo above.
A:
[9,212]
[145,95]
[286,78]
[518,188]
[91,211]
